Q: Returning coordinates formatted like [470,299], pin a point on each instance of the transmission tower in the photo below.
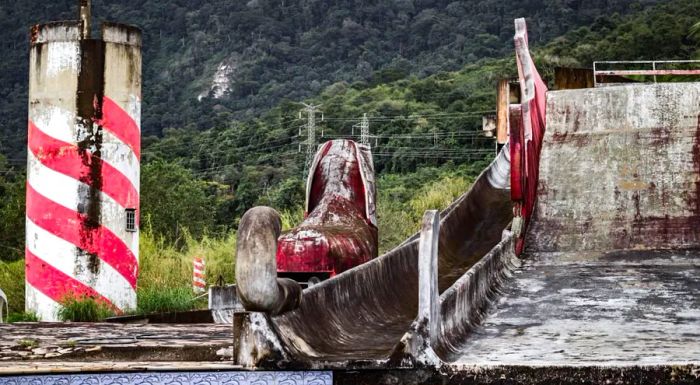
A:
[311,111]
[364,130]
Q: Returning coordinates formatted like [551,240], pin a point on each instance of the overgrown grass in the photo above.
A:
[162,265]
[23,317]
[83,309]
[161,300]
[438,195]
[165,278]
[12,283]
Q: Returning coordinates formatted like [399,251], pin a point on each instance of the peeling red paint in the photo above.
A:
[336,234]
[67,225]
[55,284]
[696,164]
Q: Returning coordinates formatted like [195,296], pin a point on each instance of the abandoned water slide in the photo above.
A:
[609,264]
[573,258]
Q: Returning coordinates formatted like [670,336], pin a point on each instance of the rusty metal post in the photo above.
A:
[502,112]
[85,18]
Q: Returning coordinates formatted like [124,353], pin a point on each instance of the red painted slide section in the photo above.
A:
[338,232]
[527,138]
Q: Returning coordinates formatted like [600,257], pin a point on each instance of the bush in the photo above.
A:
[83,309]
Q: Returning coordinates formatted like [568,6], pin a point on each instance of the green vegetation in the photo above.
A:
[12,283]
[286,50]
[160,300]
[424,72]
[403,199]
[12,197]
[163,265]
[28,343]
[83,309]
[23,317]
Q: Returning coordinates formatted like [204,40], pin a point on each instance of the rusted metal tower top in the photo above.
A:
[85,18]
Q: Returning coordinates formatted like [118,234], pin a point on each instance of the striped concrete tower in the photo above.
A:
[83,165]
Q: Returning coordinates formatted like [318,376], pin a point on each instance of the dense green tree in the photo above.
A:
[173,199]
[12,197]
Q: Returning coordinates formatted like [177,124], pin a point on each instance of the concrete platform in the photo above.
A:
[641,309]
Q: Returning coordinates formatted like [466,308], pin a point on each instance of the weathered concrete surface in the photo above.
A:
[465,305]
[258,287]
[612,260]
[82,166]
[37,343]
[643,311]
[620,169]
[416,346]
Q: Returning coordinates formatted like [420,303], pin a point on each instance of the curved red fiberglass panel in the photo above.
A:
[337,233]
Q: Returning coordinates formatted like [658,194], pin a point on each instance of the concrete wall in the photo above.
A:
[620,169]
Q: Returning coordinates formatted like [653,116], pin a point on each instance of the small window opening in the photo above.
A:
[131,220]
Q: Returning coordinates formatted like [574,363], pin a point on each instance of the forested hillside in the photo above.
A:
[267,51]
[225,166]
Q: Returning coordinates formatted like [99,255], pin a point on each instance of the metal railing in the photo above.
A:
[654,71]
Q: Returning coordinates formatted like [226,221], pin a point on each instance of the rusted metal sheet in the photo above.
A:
[502,111]
[573,78]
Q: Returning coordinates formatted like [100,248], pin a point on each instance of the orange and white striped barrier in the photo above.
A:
[199,284]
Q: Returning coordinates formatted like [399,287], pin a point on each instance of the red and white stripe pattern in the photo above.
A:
[66,252]
[199,284]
